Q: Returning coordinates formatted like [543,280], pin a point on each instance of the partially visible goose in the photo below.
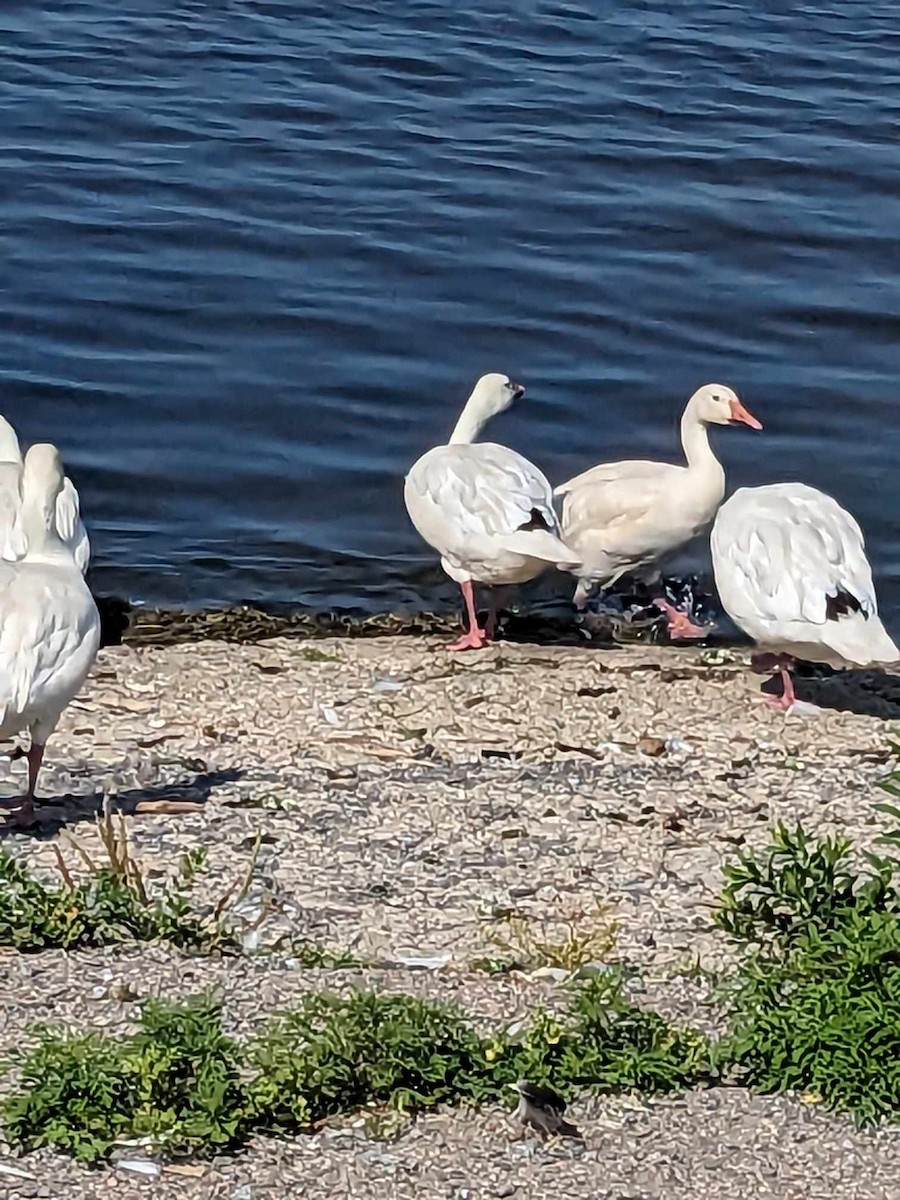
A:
[49,624]
[791,571]
[12,540]
[626,518]
[486,510]
[68,508]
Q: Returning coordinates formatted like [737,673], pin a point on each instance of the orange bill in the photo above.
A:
[741,416]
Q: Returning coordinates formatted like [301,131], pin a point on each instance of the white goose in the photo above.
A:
[486,510]
[68,508]
[626,518]
[49,624]
[791,571]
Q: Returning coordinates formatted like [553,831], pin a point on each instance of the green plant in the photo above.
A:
[891,782]
[566,943]
[176,1083]
[334,1054]
[190,1088]
[491,964]
[313,955]
[113,903]
[605,1043]
[75,1094]
[815,1004]
[798,885]
[181,1085]
[824,1018]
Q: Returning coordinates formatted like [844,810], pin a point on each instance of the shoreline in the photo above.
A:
[128,623]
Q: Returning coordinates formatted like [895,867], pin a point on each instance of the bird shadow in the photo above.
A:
[862,693]
[55,813]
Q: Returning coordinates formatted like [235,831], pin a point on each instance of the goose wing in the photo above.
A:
[792,554]
[481,490]
[617,494]
[49,635]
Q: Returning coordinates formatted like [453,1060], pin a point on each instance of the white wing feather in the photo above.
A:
[460,496]
[780,554]
[49,634]
[12,537]
[486,489]
[604,496]
[70,527]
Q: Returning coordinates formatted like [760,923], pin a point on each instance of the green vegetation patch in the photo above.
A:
[182,1086]
[815,1005]
[113,903]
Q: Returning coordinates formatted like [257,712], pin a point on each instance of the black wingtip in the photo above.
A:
[841,604]
[537,520]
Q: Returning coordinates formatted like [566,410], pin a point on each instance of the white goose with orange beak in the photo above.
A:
[627,518]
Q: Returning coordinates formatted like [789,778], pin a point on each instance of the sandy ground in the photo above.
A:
[409,802]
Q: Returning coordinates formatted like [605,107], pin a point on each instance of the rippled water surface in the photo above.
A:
[253,255]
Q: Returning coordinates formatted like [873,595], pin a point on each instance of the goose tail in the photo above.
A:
[542,544]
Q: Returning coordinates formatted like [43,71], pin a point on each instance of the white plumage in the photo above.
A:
[49,623]
[486,510]
[71,527]
[791,571]
[626,518]
[68,508]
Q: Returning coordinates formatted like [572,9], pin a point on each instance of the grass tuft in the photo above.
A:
[113,903]
[607,1044]
[518,944]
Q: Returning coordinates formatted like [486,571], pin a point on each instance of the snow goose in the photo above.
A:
[68,509]
[486,510]
[626,518]
[49,624]
[791,571]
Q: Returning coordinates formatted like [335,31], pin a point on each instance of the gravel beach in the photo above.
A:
[407,803]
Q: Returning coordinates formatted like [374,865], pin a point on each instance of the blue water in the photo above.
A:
[253,256]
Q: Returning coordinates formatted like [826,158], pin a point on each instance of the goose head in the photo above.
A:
[493,394]
[716,404]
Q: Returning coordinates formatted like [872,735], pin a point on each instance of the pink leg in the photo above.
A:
[474,638]
[35,756]
[781,663]
[681,627]
[24,816]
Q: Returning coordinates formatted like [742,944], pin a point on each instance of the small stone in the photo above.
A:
[424,962]
[652,746]
[123,992]
[139,1166]
[557,974]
